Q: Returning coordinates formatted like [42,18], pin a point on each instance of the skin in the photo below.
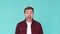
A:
[29,15]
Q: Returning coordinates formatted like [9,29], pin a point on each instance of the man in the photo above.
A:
[29,25]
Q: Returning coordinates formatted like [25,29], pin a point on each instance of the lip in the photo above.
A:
[29,17]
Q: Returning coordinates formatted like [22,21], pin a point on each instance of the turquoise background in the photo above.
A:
[47,12]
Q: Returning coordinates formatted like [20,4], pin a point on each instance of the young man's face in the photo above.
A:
[29,13]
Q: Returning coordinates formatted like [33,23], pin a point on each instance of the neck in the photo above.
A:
[29,20]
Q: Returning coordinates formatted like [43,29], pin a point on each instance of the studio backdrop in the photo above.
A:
[47,12]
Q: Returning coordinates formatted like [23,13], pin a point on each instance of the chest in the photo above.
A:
[34,29]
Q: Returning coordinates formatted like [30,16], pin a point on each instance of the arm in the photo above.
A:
[40,30]
[17,29]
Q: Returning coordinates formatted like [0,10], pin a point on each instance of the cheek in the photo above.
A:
[26,15]
[31,15]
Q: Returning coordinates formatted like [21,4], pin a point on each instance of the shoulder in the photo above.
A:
[37,23]
[21,23]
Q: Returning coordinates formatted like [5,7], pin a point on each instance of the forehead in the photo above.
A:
[29,10]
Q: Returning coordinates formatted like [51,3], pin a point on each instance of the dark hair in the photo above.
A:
[29,7]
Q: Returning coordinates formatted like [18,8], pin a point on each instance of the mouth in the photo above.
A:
[29,17]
